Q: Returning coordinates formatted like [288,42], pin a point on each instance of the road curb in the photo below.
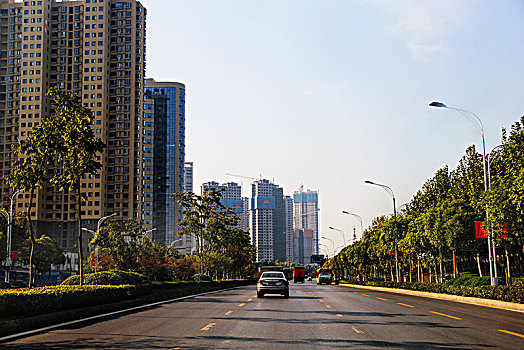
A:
[457,298]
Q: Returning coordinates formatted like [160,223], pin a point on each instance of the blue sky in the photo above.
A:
[329,93]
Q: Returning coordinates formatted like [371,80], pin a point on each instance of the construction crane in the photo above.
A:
[244,177]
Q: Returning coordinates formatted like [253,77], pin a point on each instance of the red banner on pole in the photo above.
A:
[14,256]
[480,232]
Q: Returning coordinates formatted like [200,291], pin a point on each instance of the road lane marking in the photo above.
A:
[366,295]
[241,304]
[438,313]
[512,333]
[229,313]
[381,298]
[340,315]
[405,305]
[249,299]
[497,307]
[208,327]
[320,300]
[357,330]
[328,306]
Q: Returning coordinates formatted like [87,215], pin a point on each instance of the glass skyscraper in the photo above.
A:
[164,122]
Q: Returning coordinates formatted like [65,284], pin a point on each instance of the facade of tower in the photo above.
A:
[288,204]
[261,219]
[163,158]
[97,50]
[306,216]
[231,197]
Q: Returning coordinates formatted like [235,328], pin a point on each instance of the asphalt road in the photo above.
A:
[313,317]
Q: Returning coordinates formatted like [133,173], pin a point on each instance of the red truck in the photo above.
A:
[298,274]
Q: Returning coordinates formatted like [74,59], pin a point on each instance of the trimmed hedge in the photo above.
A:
[202,277]
[41,300]
[109,278]
[513,294]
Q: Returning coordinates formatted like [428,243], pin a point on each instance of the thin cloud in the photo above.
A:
[325,88]
[427,26]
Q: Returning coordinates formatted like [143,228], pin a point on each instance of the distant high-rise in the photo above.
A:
[231,197]
[306,216]
[188,177]
[163,157]
[288,204]
[269,221]
[94,49]
[302,245]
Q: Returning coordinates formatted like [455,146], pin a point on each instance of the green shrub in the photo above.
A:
[28,302]
[202,277]
[109,278]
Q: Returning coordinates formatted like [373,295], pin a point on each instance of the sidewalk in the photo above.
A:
[504,305]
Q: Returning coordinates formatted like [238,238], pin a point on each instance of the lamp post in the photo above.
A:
[9,239]
[333,243]
[102,219]
[390,192]
[343,236]
[478,123]
[359,219]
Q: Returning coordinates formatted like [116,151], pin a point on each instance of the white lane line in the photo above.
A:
[48,328]
[208,327]
[229,313]
[357,330]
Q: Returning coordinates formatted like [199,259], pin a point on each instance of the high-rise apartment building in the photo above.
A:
[306,216]
[231,197]
[188,177]
[302,245]
[270,222]
[97,50]
[288,205]
[163,158]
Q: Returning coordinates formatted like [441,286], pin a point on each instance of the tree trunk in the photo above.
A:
[508,271]
[79,215]
[440,263]
[478,264]
[410,268]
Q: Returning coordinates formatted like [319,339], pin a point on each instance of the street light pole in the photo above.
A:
[9,238]
[474,118]
[359,219]
[333,243]
[343,236]
[392,194]
[102,219]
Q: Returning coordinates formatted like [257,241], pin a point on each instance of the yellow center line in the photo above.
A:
[249,299]
[320,300]
[340,315]
[356,330]
[241,304]
[229,313]
[438,313]
[512,333]
[496,307]
[405,305]
[381,298]
[365,295]
[328,306]
[208,327]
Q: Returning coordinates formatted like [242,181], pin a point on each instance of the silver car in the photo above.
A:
[272,282]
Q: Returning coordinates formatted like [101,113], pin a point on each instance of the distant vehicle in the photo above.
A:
[324,276]
[272,282]
[298,274]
